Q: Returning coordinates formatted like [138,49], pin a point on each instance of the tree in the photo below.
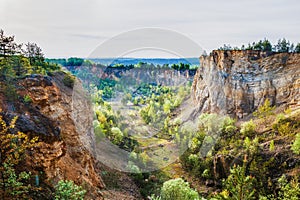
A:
[238,186]
[297,48]
[283,46]
[8,46]
[226,47]
[13,149]
[21,65]
[178,189]
[34,53]
[75,62]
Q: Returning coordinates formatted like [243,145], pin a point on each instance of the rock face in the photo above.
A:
[238,82]
[65,150]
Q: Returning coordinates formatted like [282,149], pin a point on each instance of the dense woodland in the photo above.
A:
[254,147]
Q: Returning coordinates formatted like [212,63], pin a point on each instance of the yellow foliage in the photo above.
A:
[13,146]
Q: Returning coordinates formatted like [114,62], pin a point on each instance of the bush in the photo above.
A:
[238,185]
[284,128]
[15,185]
[288,190]
[69,80]
[178,189]
[68,190]
[264,110]
[296,144]
[117,135]
[248,128]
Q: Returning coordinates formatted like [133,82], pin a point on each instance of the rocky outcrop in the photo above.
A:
[65,150]
[238,82]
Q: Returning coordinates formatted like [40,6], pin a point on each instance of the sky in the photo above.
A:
[66,28]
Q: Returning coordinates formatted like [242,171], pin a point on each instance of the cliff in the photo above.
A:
[65,136]
[238,82]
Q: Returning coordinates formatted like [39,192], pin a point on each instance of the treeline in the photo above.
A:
[282,46]
[67,62]
[21,59]
[76,62]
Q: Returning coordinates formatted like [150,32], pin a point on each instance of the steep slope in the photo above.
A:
[65,148]
[237,82]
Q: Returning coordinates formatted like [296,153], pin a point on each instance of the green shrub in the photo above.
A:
[68,190]
[248,128]
[228,126]
[178,189]
[117,135]
[27,99]
[69,80]
[296,144]
[251,146]
[288,190]
[15,185]
[264,110]
[238,186]
[284,128]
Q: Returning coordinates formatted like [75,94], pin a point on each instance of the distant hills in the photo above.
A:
[154,61]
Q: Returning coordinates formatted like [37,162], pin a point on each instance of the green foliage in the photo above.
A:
[10,92]
[272,146]
[238,185]
[282,46]
[68,190]
[180,66]
[251,146]
[248,128]
[288,190]
[198,159]
[75,61]
[284,128]
[106,125]
[158,99]
[264,45]
[106,86]
[69,80]
[116,135]
[153,197]
[297,48]
[27,99]
[18,61]
[296,144]
[228,126]
[13,148]
[178,189]
[15,185]
[264,110]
